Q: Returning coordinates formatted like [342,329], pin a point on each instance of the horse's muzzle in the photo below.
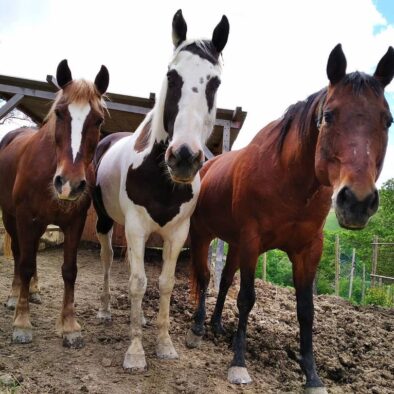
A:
[183,164]
[352,213]
[67,190]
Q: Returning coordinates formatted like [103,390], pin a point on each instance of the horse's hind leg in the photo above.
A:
[67,325]
[237,372]
[304,270]
[10,225]
[135,235]
[232,264]
[201,277]
[34,290]
[104,229]
[172,246]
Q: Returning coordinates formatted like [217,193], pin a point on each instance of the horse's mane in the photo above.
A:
[203,48]
[78,91]
[302,113]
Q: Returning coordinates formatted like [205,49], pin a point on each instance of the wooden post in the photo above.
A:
[363,286]
[352,273]
[265,266]
[337,265]
[374,258]
[219,263]
[7,246]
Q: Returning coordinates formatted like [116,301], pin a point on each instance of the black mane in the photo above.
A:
[303,112]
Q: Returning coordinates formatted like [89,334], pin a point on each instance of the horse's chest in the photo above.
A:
[150,187]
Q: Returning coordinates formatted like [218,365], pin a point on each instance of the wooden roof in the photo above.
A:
[34,98]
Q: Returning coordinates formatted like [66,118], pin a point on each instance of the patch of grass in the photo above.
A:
[331,222]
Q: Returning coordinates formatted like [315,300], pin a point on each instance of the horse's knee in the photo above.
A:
[137,284]
[69,273]
[166,285]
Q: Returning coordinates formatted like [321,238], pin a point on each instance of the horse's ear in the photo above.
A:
[220,34]
[102,80]
[385,70]
[63,74]
[336,65]
[179,28]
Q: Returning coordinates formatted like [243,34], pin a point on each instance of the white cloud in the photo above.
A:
[276,53]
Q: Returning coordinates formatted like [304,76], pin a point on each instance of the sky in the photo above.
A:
[276,53]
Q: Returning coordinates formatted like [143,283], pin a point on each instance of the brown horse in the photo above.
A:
[45,177]
[277,192]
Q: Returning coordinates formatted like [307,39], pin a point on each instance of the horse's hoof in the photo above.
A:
[218,329]
[11,303]
[73,340]
[238,375]
[166,351]
[35,298]
[315,390]
[22,335]
[134,362]
[193,340]
[104,316]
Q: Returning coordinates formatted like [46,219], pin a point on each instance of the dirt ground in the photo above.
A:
[353,345]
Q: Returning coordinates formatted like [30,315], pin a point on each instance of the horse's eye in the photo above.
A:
[328,117]
[58,114]
[99,122]
[389,122]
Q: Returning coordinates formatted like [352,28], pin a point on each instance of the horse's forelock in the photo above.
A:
[79,91]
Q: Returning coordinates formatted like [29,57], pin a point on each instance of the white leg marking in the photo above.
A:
[172,247]
[106,255]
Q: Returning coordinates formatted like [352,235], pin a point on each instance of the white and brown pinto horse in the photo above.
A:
[46,175]
[149,181]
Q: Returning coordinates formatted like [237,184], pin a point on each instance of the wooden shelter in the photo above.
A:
[34,99]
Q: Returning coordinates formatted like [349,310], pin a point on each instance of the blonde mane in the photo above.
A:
[78,91]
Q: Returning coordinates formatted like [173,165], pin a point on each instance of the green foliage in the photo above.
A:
[382,296]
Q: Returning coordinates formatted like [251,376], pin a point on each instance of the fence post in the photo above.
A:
[219,263]
[352,273]
[337,265]
[374,258]
[7,246]
[363,287]
[265,266]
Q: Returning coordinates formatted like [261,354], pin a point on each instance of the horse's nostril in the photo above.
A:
[58,183]
[374,203]
[344,195]
[82,185]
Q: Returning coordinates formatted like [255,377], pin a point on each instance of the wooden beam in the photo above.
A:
[27,92]
[52,81]
[208,154]
[127,108]
[10,104]
[226,137]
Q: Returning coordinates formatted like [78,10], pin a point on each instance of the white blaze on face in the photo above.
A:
[78,113]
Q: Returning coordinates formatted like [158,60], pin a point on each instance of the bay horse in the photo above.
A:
[149,181]
[276,193]
[46,175]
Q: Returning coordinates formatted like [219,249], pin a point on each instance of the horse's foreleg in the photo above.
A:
[135,355]
[29,233]
[172,246]
[106,254]
[232,264]
[237,372]
[67,325]
[304,270]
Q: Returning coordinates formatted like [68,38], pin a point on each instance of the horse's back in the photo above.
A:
[13,135]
